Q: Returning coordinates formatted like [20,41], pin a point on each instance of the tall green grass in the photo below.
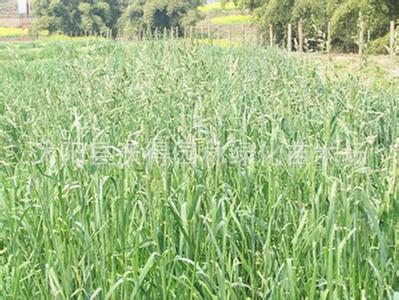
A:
[323,227]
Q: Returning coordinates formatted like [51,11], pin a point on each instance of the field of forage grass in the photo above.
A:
[299,199]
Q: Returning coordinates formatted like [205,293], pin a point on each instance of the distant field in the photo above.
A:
[224,15]
[163,170]
[231,20]
[12,32]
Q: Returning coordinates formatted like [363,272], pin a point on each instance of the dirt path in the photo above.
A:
[15,21]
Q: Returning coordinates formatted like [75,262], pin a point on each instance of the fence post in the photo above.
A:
[361,34]
[300,35]
[208,34]
[271,35]
[229,36]
[257,37]
[243,35]
[289,38]
[329,31]
[217,35]
[392,40]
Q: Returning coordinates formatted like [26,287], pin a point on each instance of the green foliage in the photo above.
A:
[344,15]
[131,19]
[313,13]
[100,15]
[380,45]
[159,14]
[345,24]
[250,4]
[95,16]
[276,12]
[75,15]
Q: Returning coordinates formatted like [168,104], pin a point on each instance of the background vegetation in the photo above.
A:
[146,15]
[344,15]
[99,16]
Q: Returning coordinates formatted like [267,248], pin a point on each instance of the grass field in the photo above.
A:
[162,170]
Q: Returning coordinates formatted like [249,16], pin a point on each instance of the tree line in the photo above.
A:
[134,16]
[124,17]
[344,15]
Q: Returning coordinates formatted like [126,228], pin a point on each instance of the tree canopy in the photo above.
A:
[152,14]
[101,15]
[343,14]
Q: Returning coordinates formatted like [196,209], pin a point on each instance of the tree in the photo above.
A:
[99,15]
[151,14]
[76,15]
[276,12]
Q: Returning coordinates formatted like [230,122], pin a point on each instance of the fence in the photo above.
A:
[254,36]
[222,35]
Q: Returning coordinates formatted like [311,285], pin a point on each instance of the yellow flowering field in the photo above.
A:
[13,32]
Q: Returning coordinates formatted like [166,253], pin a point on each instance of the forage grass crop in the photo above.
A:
[163,170]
